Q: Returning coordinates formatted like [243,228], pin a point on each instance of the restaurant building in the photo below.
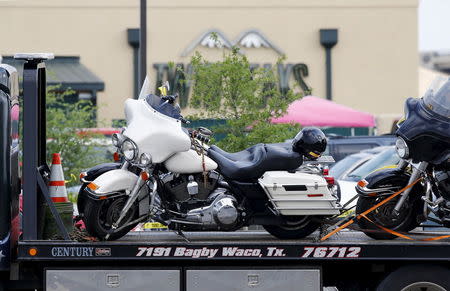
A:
[372,45]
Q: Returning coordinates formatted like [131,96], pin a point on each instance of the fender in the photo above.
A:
[381,183]
[94,172]
[112,183]
[89,176]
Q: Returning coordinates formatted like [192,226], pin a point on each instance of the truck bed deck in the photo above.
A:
[256,245]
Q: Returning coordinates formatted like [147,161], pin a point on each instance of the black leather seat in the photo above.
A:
[252,163]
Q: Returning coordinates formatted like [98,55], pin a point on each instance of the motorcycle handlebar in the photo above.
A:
[185,121]
[199,136]
[170,98]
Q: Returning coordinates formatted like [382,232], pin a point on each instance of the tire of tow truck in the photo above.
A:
[417,277]
[98,211]
[294,230]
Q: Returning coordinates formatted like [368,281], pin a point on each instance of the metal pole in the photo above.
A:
[328,73]
[133,40]
[143,43]
[328,39]
[30,149]
[34,139]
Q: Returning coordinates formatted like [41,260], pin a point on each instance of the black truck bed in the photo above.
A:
[249,245]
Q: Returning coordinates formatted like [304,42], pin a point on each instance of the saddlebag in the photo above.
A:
[299,193]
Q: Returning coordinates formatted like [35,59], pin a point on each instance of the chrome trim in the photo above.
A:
[125,165]
[310,209]
[152,198]
[83,180]
[302,200]
[135,149]
[366,190]
[131,198]
[414,176]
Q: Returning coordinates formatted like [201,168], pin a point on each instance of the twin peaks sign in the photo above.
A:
[215,39]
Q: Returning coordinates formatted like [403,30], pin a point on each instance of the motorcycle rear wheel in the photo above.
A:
[100,215]
[296,227]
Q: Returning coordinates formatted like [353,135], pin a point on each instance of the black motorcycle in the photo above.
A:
[423,144]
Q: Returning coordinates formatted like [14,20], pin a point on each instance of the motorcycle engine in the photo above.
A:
[221,213]
[177,187]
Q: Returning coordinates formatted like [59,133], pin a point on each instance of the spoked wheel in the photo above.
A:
[383,216]
[99,217]
[295,227]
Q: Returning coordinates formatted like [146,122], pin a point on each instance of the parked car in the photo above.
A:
[350,163]
[387,158]
[341,146]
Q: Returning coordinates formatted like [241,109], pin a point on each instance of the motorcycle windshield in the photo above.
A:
[437,98]
[163,107]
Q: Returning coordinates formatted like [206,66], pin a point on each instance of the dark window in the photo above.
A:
[344,150]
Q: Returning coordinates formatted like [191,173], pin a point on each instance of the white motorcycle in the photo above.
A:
[172,176]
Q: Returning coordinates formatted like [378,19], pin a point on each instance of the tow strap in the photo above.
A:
[364,215]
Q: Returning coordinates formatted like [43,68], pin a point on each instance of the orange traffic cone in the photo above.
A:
[57,185]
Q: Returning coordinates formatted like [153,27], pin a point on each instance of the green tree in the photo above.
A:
[246,98]
[64,122]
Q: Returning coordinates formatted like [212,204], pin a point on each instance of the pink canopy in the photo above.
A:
[314,111]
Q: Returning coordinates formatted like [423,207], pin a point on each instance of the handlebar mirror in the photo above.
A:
[167,85]
[165,88]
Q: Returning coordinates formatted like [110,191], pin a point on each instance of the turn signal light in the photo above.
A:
[93,186]
[82,175]
[326,172]
[144,175]
[362,183]
[116,157]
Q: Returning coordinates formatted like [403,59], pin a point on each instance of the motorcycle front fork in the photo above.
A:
[414,176]
[142,179]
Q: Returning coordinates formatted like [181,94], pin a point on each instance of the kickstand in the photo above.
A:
[181,234]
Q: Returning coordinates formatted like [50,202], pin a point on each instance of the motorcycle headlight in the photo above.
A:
[129,150]
[402,148]
[145,159]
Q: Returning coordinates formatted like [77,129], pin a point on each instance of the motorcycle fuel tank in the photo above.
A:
[299,193]
[189,163]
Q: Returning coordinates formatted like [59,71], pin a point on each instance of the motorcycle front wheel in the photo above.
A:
[295,227]
[383,216]
[99,215]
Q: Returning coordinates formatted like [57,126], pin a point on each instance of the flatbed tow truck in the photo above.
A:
[163,260]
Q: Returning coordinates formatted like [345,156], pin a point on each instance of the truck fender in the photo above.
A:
[113,182]
[380,182]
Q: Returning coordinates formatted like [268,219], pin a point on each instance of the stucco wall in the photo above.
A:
[374,64]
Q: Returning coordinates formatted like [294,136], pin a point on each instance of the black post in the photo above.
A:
[143,43]
[30,148]
[34,137]
[328,39]
[133,40]
[328,73]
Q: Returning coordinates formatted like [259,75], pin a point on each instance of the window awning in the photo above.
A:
[66,71]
